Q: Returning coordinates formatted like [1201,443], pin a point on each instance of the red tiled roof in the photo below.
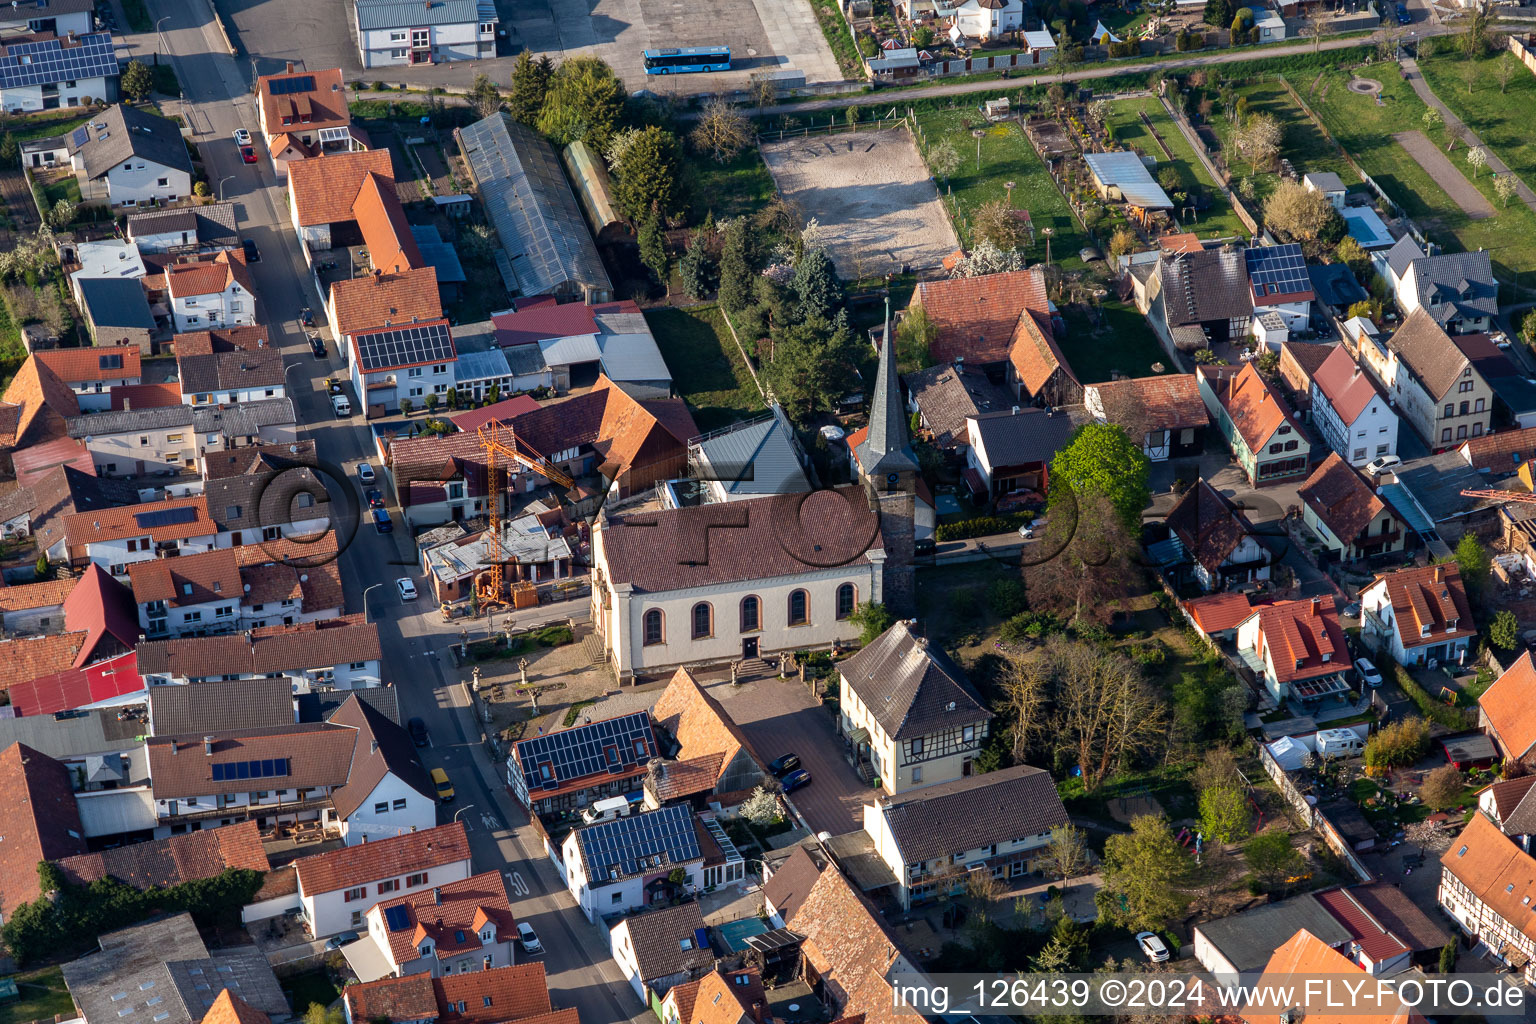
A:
[1497,872]
[1345,385]
[20,597]
[322,190]
[513,993]
[324,106]
[77,687]
[386,300]
[44,402]
[204,853]
[1302,957]
[106,524]
[381,219]
[729,997]
[207,275]
[1185,242]
[146,396]
[1208,525]
[1501,452]
[697,721]
[191,579]
[1035,355]
[1340,498]
[543,318]
[1256,410]
[81,365]
[346,638]
[34,463]
[410,997]
[37,804]
[482,896]
[1217,612]
[383,858]
[1375,942]
[32,657]
[1297,634]
[975,317]
[229,1008]
[1142,405]
[1428,595]
[102,607]
[849,947]
[1509,707]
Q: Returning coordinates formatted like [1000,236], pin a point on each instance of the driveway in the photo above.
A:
[779,717]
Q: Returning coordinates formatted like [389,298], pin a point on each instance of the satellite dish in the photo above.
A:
[293,449]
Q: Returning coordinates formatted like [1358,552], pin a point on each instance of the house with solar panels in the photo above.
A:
[50,73]
[454,928]
[617,866]
[392,33]
[577,767]
[304,115]
[125,156]
[114,538]
[1278,276]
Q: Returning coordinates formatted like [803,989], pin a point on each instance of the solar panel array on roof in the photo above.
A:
[284,86]
[641,842]
[1277,270]
[405,346]
[48,60]
[165,517]
[398,919]
[80,136]
[612,745]
[266,768]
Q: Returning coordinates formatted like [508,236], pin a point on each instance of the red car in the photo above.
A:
[248,154]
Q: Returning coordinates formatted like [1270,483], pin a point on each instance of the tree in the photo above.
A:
[1528,327]
[873,620]
[431,401]
[1353,255]
[1397,744]
[984,889]
[1506,187]
[1504,630]
[653,251]
[738,264]
[530,81]
[584,100]
[944,160]
[995,224]
[1429,836]
[1006,597]
[761,808]
[1143,871]
[484,96]
[1065,56]
[1477,157]
[986,258]
[9,148]
[815,285]
[1474,40]
[1091,567]
[201,189]
[1317,19]
[318,1014]
[1067,851]
[1217,13]
[1296,212]
[1474,565]
[40,567]
[1258,140]
[62,214]
[915,335]
[1442,788]
[1102,461]
[1122,243]
[698,266]
[648,174]
[493,394]
[763,90]
[1505,69]
[721,131]
[137,80]
[1448,952]
[1223,814]
[1432,120]
[1272,858]
[809,367]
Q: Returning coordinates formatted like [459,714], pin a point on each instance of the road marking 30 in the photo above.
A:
[519,887]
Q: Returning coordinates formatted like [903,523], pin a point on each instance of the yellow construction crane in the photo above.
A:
[501,440]
[1524,497]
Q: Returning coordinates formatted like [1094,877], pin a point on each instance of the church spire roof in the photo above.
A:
[887,449]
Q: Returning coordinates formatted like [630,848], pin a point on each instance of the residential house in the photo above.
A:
[38,509]
[206,853]
[228,365]
[33,69]
[92,373]
[35,408]
[271,505]
[116,312]
[1347,515]
[538,223]
[1433,385]
[1457,290]
[127,156]
[158,962]
[975,318]
[205,290]
[198,595]
[337,888]
[1329,184]
[450,929]
[714,760]
[1217,616]
[1486,886]
[935,837]
[288,582]
[164,440]
[1198,299]
[1354,418]
[1304,955]
[744,460]
[986,22]
[32,608]
[219,704]
[500,995]
[909,712]
[1335,287]
[579,766]
[1508,803]
[1277,277]
[1038,372]
[789,879]
[660,601]
[1419,614]
[660,948]
[1166,414]
[545,341]
[1258,425]
[398,347]
[397,32]
[1010,452]
[321,195]
[103,751]
[1217,540]
[1507,712]
[630,862]
[59,18]
[946,395]
[117,537]
[303,114]
[340,653]
[97,626]
[42,822]
[1295,649]
[724,996]
[201,228]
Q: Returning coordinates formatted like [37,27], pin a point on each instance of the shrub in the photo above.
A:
[1399,743]
[1006,598]
[1123,49]
[981,526]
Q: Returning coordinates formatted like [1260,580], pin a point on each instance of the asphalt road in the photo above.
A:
[218,100]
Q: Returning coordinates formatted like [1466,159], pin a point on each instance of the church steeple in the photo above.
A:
[887,451]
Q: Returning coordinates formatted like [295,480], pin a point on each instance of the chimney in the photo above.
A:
[174,748]
[290,67]
[1317,607]
[1439,573]
[208,746]
[437,895]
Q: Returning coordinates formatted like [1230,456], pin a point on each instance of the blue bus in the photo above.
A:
[675,61]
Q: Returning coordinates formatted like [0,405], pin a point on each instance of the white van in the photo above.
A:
[606,810]
[341,406]
[1339,743]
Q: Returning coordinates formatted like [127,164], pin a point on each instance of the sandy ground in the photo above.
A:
[872,195]
[1446,174]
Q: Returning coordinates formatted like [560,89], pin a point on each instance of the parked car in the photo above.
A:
[418,730]
[242,137]
[1370,675]
[442,785]
[252,254]
[307,317]
[365,473]
[334,385]
[795,779]
[1152,946]
[1378,466]
[832,432]
[381,521]
[248,154]
[337,941]
[1403,17]
[783,764]
[1027,530]
[528,939]
[317,346]
[924,547]
[375,498]
[407,589]
[340,404]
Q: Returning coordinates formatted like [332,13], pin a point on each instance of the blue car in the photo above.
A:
[795,779]
[381,521]
[1403,17]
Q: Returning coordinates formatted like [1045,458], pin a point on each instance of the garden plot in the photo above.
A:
[871,193]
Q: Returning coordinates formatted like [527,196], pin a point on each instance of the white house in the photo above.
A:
[1277,277]
[1419,614]
[1327,182]
[408,362]
[448,929]
[661,948]
[1486,885]
[229,365]
[661,602]
[934,837]
[208,292]
[54,17]
[403,32]
[1296,648]
[114,538]
[1217,540]
[321,193]
[64,70]
[631,862]
[168,439]
[1011,451]
[92,373]
[1353,417]
[337,888]
[195,595]
[126,156]
[340,653]
[987,20]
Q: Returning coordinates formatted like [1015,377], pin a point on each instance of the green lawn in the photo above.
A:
[64,188]
[706,365]
[28,127]
[1006,155]
[42,997]
[1501,119]
[1219,221]
[1121,342]
[731,189]
[1305,146]
[310,987]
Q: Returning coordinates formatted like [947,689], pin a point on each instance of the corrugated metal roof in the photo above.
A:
[482,365]
[578,348]
[537,221]
[765,446]
[633,357]
[1126,172]
[440,255]
[379,14]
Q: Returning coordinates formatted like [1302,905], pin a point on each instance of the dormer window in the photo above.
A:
[1424,630]
[1299,663]
[1450,625]
[425,949]
[486,935]
[1327,655]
